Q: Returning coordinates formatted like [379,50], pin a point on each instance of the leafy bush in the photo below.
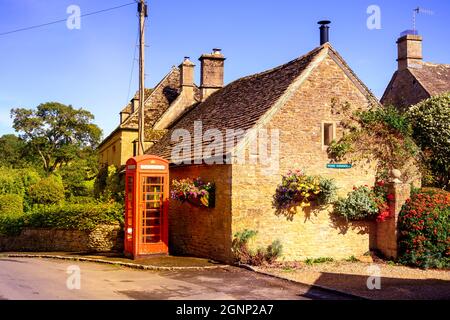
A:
[11,225]
[11,205]
[81,200]
[66,217]
[390,116]
[424,226]
[431,130]
[298,189]
[364,203]
[243,254]
[78,179]
[17,182]
[10,183]
[274,251]
[109,185]
[49,190]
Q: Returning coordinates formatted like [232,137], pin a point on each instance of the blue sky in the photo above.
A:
[91,67]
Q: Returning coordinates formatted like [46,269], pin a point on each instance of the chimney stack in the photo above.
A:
[212,71]
[324,31]
[134,104]
[409,50]
[187,78]
[187,73]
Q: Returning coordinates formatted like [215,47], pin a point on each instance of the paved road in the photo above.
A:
[46,279]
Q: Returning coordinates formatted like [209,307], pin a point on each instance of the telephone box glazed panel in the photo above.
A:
[146,206]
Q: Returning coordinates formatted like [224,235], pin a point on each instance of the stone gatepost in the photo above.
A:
[387,231]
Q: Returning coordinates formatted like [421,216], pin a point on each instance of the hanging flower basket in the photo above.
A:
[300,190]
[196,192]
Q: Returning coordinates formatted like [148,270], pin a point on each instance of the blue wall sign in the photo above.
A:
[339,166]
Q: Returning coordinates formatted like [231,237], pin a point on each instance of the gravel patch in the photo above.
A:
[397,282]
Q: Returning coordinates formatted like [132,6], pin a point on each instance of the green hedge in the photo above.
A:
[11,205]
[67,217]
[17,182]
[424,226]
[49,190]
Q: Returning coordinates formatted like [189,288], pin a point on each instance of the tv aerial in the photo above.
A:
[418,11]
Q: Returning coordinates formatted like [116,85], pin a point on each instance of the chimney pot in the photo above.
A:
[324,31]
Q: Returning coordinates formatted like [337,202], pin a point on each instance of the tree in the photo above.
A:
[12,150]
[15,153]
[430,121]
[79,175]
[57,132]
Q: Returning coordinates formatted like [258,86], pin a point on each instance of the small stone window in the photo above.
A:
[135,148]
[328,133]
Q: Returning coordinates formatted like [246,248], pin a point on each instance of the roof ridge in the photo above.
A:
[315,50]
[435,64]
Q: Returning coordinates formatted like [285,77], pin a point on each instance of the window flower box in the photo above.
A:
[196,192]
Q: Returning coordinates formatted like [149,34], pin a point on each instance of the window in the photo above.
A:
[134,148]
[328,133]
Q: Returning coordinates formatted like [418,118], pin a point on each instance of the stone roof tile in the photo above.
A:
[435,78]
[240,104]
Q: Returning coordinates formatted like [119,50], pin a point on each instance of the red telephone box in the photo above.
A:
[146,206]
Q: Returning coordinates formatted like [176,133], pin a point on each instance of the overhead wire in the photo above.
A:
[64,20]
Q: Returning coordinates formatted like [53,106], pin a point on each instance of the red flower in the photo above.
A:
[381,183]
[391,197]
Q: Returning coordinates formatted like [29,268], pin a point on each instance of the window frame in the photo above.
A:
[322,133]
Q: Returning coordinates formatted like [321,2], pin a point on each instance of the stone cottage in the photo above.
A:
[415,79]
[121,143]
[298,101]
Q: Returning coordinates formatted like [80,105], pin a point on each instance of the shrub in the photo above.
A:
[358,205]
[109,185]
[11,205]
[81,200]
[49,190]
[424,225]
[364,203]
[431,130]
[11,225]
[66,217]
[10,182]
[74,216]
[298,189]
[76,180]
[243,254]
[18,181]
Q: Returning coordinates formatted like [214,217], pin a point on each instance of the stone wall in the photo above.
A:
[403,91]
[119,148]
[202,232]
[104,238]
